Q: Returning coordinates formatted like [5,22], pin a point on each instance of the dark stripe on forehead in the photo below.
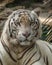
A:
[21,12]
[30,16]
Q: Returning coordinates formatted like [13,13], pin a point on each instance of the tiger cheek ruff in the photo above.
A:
[20,42]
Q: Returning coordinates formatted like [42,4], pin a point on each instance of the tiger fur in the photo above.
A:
[20,42]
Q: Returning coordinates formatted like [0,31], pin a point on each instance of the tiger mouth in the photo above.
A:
[26,40]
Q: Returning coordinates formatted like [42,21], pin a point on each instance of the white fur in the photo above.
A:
[42,46]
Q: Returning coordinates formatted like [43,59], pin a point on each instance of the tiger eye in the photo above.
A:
[37,21]
[18,23]
[13,19]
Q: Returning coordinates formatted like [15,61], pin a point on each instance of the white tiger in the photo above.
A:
[20,43]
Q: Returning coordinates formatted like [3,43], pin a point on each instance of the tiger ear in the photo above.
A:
[37,11]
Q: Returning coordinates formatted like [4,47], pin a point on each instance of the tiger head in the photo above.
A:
[23,27]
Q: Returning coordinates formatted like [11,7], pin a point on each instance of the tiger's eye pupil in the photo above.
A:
[36,21]
[13,19]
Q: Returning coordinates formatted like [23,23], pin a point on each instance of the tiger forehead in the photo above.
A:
[24,18]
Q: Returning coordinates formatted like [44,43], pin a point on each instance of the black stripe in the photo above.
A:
[25,52]
[9,29]
[30,58]
[34,55]
[47,63]
[9,24]
[7,50]
[49,48]
[44,58]
[1,62]
[36,60]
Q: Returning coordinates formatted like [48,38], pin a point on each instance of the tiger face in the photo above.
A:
[24,27]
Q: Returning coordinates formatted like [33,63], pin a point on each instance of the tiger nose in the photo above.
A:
[26,34]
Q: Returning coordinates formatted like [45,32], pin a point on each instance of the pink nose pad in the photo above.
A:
[26,34]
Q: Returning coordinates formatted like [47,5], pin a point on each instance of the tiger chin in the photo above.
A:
[20,42]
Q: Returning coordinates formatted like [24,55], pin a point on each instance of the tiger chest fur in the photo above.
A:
[25,56]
